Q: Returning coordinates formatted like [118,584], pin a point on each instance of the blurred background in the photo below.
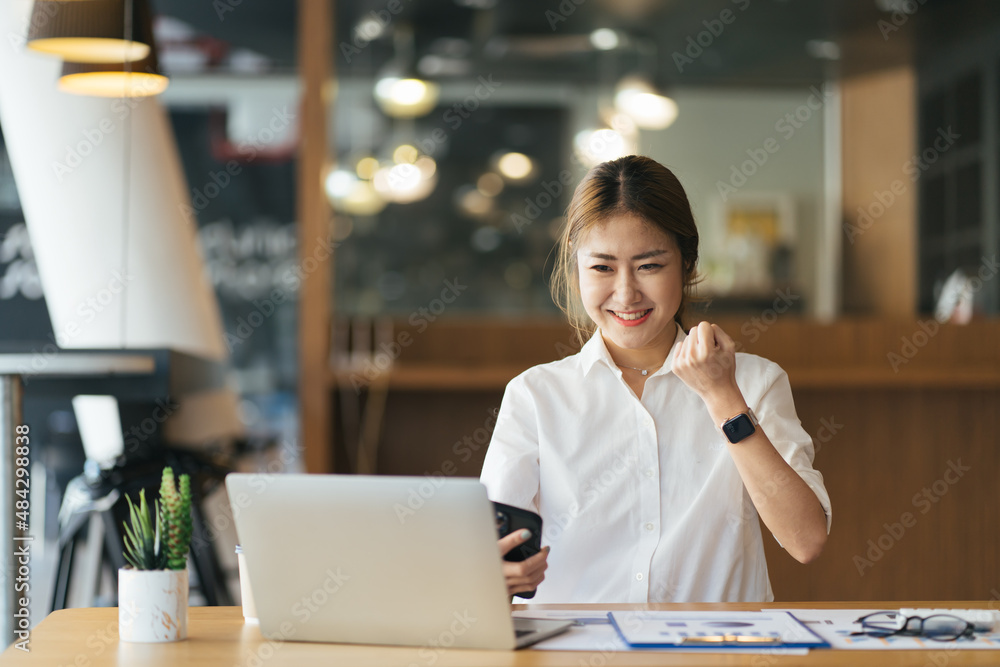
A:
[347,210]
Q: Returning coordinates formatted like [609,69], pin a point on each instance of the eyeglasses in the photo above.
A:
[939,627]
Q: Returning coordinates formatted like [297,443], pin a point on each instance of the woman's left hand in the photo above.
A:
[706,362]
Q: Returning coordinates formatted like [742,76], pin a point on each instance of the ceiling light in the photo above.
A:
[490,184]
[363,200]
[598,145]
[406,97]
[406,183]
[405,153]
[91,31]
[472,203]
[515,166]
[349,194]
[427,166]
[823,49]
[650,110]
[112,80]
[339,183]
[604,39]
[370,28]
[366,167]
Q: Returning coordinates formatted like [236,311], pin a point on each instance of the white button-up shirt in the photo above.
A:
[640,499]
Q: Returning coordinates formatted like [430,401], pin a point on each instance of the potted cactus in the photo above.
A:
[153,588]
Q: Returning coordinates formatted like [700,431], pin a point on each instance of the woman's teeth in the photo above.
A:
[631,316]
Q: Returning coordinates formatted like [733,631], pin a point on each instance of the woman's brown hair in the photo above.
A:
[631,185]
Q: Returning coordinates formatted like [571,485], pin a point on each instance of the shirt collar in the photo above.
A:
[595,351]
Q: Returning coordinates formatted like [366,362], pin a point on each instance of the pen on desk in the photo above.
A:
[731,639]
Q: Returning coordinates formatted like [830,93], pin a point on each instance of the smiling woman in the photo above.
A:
[690,442]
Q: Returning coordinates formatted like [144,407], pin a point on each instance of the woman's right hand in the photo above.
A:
[527,574]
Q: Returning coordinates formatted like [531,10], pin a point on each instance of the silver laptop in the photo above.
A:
[409,561]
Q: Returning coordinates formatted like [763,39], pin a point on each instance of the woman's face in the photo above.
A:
[631,282]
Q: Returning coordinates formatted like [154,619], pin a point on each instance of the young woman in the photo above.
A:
[644,495]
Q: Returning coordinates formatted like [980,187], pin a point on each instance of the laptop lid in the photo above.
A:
[358,559]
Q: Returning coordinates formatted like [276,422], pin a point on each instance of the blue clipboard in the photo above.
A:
[713,630]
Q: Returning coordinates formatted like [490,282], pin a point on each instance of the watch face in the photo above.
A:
[738,428]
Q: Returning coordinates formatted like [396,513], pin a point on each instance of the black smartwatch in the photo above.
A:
[740,427]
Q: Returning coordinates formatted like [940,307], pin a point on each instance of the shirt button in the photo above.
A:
[638,577]
[649,526]
[650,472]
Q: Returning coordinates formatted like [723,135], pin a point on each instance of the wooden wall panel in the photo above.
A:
[878,130]
[893,445]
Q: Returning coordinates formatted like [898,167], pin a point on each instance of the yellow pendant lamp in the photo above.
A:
[91,31]
[139,79]
[107,46]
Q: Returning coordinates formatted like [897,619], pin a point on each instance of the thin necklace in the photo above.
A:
[641,370]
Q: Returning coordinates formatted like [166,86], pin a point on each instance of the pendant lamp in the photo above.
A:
[123,77]
[138,79]
[92,31]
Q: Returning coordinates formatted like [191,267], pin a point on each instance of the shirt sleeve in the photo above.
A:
[776,414]
[510,470]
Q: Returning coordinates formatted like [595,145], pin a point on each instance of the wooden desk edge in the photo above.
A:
[219,636]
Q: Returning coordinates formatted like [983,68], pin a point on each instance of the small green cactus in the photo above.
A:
[165,544]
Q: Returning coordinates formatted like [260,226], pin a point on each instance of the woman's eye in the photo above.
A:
[650,267]
[601,268]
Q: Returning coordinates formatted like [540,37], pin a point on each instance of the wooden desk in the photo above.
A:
[218,636]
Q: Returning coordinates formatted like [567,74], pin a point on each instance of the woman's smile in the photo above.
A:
[631,318]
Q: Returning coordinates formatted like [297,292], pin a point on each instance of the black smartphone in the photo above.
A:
[511,519]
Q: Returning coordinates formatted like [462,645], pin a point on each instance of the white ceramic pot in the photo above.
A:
[152,605]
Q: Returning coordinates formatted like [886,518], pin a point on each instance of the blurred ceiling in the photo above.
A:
[680,42]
